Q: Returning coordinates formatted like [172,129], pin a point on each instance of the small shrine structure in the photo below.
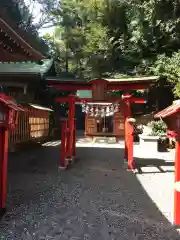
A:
[171,116]
[18,48]
[23,64]
[100,103]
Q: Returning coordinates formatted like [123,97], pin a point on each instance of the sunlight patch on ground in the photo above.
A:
[51,144]
[97,145]
[158,185]
[88,142]
[159,188]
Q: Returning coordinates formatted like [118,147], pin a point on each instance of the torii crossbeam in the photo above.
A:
[99,89]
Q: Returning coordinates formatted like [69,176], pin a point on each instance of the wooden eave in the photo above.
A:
[13,47]
[169,111]
[20,82]
[17,80]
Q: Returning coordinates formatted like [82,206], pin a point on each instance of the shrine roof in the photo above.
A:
[25,67]
[18,43]
[37,106]
[169,111]
[9,102]
[60,79]
[133,79]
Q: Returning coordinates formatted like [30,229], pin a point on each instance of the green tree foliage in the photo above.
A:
[99,37]
[16,10]
[169,67]
[80,37]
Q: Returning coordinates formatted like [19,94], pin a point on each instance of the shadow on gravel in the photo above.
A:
[96,199]
[159,164]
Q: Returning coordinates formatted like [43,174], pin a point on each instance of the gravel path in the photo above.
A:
[158,179]
[95,199]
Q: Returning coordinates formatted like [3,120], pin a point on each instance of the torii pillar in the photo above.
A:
[71,126]
[129,132]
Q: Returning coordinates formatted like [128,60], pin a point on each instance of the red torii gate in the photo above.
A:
[99,88]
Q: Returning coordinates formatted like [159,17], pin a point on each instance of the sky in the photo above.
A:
[37,16]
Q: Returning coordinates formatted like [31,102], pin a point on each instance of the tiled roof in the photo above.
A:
[62,78]
[174,108]
[25,67]
[11,22]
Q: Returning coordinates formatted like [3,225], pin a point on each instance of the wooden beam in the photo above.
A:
[74,87]
[11,57]
[137,100]
[109,99]
[13,84]
[129,86]
[74,81]
[6,56]
[14,51]
[4,26]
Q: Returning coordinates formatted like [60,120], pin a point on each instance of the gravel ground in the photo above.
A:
[95,199]
[158,179]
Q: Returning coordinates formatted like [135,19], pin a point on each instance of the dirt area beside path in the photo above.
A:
[97,199]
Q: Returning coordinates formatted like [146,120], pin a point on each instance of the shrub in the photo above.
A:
[158,128]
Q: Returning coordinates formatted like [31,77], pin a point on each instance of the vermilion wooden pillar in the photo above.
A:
[3,168]
[71,126]
[125,142]
[129,132]
[177,180]
[74,139]
[63,148]
[127,112]
[130,142]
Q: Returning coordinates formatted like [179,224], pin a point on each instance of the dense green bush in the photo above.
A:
[158,128]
